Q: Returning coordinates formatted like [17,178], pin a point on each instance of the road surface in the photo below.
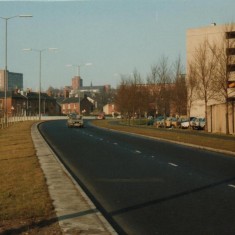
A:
[146,186]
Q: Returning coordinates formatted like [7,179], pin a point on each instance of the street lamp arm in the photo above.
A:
[41,50]
[8,18]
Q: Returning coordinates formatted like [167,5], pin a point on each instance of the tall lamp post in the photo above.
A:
[6,74]
[40,73]
[78,66]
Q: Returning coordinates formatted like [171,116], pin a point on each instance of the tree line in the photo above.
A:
[167,91]
[163,92]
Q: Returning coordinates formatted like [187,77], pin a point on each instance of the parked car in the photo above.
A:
[171,122]
[75,120]
[150,121]
[186,123]
[101,116]
[198,123]
[159,121]
[119,116]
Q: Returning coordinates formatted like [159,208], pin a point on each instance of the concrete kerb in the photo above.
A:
[75,211]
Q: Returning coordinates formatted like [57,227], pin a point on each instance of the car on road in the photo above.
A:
[75,120]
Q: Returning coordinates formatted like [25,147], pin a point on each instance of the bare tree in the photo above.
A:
[191,83]
[205,69]
[224,53]
[131,98]
[179,90]
[160,82]
[164,80]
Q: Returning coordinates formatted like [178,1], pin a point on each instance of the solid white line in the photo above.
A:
[172,164]
[231,185]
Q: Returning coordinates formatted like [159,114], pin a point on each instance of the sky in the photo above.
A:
[114,36]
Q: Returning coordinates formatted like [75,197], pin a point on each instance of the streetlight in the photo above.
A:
[40,73]
[6,75]
[78,66]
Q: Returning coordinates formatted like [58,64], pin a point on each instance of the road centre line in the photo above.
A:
[172,164]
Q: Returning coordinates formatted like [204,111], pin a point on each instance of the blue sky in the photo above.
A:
[116,36]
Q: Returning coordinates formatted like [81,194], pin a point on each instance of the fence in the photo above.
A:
[5,122]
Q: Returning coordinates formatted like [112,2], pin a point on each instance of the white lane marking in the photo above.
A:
[115,143]
[231,185]
[137,151]
[172,164]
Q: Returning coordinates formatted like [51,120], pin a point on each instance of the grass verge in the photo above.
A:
[25,205]
[200,138]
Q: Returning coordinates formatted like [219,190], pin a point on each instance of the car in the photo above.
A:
[159,121]
[119,116]
[100,117]
[150,121]
[186,122]
[172,122]
[75,120]
[168,122]
[198,123]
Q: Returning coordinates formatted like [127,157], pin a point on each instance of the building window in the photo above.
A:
[230,35]
[230,51]
[231,67]
[1,104]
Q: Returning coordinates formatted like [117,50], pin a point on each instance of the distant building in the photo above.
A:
[109,109]
[15,81]
[95,89]
[77,82]
[73,104]
[27,104]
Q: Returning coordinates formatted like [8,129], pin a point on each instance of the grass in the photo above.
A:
[24,199]
[25,205]
[201,138]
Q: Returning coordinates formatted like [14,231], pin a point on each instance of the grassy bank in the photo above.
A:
[25,205]
[216,141]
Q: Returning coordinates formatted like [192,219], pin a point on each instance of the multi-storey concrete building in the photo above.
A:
[222,37]
[15,81]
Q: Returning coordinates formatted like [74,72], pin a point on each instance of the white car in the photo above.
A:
[186,123]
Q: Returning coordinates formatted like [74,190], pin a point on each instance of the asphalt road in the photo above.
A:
[146,187]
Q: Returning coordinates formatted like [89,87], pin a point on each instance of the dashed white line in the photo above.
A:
[115,143]
[137,151]
[172,164]
[231,185]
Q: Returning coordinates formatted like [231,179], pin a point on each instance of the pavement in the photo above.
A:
[75,211]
